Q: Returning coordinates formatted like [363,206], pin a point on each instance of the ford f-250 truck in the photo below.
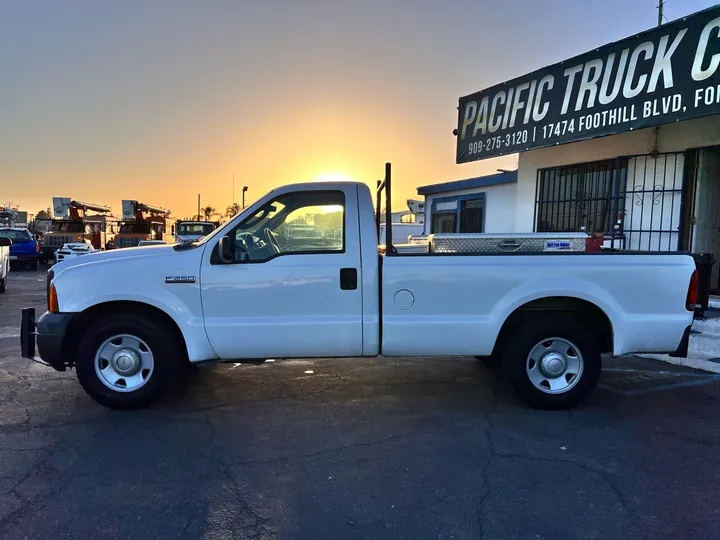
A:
[130,320]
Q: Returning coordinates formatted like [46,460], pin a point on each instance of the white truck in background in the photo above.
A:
[188,231]
[5,244]
[128,320]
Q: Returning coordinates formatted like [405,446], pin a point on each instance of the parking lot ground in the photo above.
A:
[355,448]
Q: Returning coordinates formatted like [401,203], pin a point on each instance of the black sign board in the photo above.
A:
[663,75]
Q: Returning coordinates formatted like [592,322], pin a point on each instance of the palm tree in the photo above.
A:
[233,210]
[207,212]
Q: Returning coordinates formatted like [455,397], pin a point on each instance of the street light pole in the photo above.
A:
[244,189]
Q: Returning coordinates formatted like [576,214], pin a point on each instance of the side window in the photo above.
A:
[293,223]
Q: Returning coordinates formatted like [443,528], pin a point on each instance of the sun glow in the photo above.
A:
[332,177]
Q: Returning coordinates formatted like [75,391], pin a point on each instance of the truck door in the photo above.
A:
[280,296]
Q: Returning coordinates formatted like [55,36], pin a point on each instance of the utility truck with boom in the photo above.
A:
[128,321]
[141,222]
[72,223]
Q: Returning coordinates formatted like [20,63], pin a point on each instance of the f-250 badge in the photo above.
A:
[180,279]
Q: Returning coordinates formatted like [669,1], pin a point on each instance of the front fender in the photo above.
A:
[141,279]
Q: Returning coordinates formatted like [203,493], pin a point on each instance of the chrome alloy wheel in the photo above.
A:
[124,363]
[554,365]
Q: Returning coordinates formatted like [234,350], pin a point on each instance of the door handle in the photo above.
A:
[348,279]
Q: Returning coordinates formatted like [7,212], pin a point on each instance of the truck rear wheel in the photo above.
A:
[126,362]
[552,362]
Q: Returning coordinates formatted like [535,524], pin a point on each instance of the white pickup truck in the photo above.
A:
[5,244]
[130,320]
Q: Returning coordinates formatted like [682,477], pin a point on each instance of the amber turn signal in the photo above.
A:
[53,306]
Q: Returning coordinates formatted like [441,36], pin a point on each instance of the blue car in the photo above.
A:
[24,250]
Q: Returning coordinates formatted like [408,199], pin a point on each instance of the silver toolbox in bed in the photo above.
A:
[507,242]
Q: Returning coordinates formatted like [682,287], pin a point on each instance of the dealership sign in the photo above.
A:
[666,74]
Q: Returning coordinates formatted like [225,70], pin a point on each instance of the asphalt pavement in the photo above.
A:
[354,449]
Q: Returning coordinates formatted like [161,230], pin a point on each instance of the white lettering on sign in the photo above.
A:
[547,82]
[588,83]
[499,98]
[630,91]
[570,76]
[663,62]
[604,97]
[698,72]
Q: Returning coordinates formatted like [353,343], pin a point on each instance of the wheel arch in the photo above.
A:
[97,311]
[587,313]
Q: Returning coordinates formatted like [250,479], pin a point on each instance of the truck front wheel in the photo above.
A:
[126,362]
[552,363]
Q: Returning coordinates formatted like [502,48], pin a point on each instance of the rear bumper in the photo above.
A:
[682,350]
[23,257]
[48,333]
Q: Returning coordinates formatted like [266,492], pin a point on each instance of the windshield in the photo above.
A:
[68,226]
[15,235]
[195,228]
[135,228]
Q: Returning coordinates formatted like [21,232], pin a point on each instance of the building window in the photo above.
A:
[634,200]
[464,214]
[472,216]
[580,197]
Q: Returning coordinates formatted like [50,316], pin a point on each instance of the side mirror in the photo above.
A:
[5,241]
[226,250]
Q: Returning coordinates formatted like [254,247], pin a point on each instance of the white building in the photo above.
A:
[483,204]
[650,181]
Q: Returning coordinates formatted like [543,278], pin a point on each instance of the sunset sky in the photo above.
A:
[158,100]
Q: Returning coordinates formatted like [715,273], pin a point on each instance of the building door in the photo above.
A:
[653,202]
[706,230]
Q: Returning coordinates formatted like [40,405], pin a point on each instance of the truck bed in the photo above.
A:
[454,296]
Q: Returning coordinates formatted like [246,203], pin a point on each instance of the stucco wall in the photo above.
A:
[672,138]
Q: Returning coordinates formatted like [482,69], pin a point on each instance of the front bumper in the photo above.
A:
[48,332]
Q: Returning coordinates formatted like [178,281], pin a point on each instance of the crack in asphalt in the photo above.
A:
[259,525]
[336,449]
[40,468]
[486,468]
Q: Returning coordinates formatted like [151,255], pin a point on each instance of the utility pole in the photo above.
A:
[245,188]
[198,212]
[661,4]
[233,200]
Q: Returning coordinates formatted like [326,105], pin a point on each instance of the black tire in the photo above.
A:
[3,284]
[515,361]
[168,359]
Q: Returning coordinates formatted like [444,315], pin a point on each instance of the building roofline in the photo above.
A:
[469,183]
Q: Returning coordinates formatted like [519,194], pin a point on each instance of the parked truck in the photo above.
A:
[72,222]
[129,321]
[186,231]
[142,221]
